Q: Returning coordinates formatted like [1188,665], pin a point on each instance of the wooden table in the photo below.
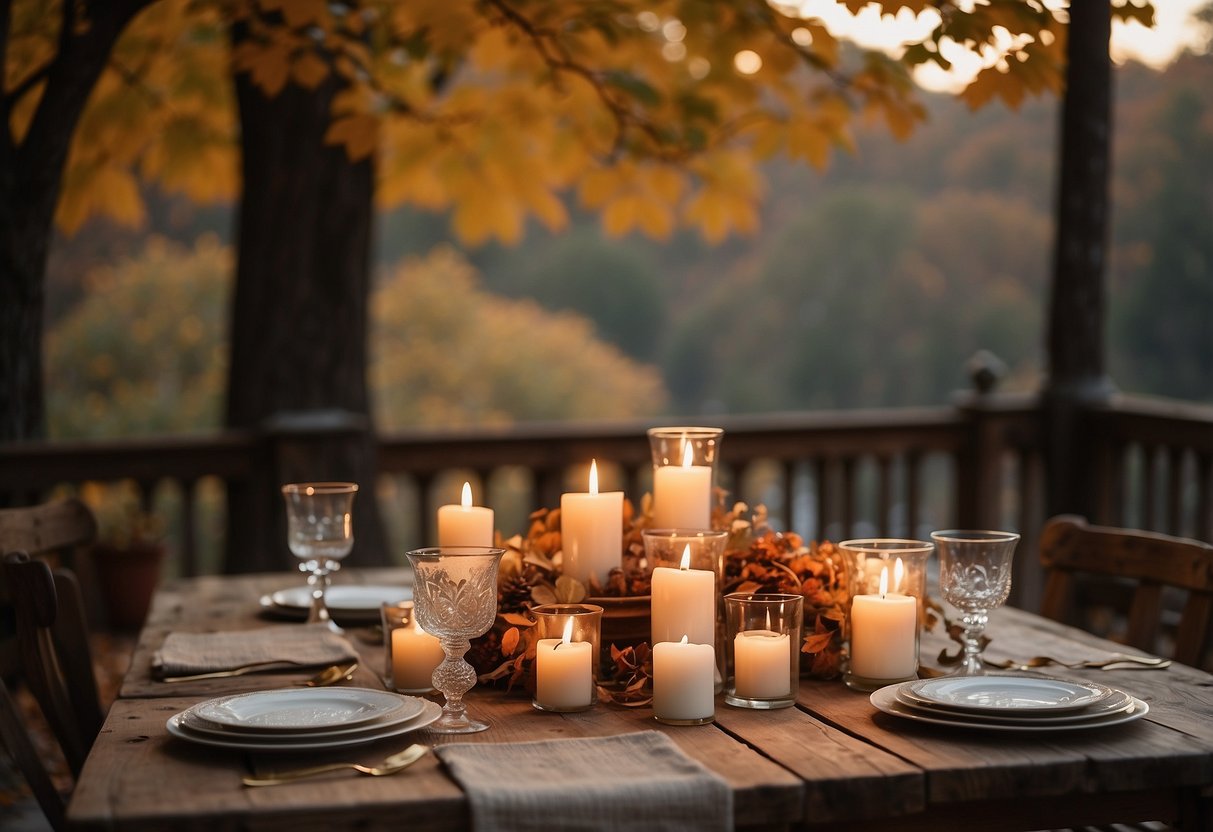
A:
[833,761]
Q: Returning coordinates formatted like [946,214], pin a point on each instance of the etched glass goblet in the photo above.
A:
[455,594]
[320,532]
[974,577]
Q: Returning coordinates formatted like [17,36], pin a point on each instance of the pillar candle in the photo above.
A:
[682,495]
[884,628]
[415,654]
[591,531]
[762,664]
[683,603]
[465,524]
[683,680]
[563,676]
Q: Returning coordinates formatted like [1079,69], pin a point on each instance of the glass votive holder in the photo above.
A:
[410,653]
[762,645]
[567,656]
[888,587]
[684,468]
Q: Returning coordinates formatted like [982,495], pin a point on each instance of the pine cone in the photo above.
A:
[485,653]
[514,595]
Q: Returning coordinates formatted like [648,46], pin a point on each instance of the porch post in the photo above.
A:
[1076,379]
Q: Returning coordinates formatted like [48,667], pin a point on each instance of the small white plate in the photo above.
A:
[297,710]
[430,711]
[344,600]
[194,723]
[1006,693]
[1117,702]
[885,700]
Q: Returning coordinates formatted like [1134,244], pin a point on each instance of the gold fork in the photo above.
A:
[397,762]
[1121,661]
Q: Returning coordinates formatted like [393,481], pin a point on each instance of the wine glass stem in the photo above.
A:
[318,580]
[974,625]
[454,677]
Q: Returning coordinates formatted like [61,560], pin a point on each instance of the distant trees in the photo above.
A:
[145,352]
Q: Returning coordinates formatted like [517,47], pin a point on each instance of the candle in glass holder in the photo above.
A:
[465,524]
[415,655]
[683,603]
[684,676]
[761,659]
[591,531]
[564,679]
[884,643]
[682,494]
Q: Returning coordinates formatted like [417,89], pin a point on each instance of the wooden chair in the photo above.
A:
[1070,548]
[54,656]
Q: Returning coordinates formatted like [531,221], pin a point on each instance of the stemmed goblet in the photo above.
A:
[974,577]
[455,594]
[320,532]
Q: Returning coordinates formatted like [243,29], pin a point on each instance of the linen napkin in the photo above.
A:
[633,781]
[184,654]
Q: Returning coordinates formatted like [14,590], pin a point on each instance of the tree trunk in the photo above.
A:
[31,172]
[299,320]
[1076,377]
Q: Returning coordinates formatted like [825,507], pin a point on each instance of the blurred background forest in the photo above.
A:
[868,285]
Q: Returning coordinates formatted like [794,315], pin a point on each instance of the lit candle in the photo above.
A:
[465,524]
[564,681]
[415,654]
[763,663]
[591,530]
[683,681]
[682,494]
[883,632]
[683,602]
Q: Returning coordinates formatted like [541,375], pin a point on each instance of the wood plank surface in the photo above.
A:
[831,762]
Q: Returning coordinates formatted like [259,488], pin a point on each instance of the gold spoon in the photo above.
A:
[319,678]
[330,676]
[397,762]
[1121,661]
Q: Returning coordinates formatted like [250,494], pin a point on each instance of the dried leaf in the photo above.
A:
[569,590]
[509,641]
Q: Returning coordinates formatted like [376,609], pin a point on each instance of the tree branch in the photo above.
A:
[26,84]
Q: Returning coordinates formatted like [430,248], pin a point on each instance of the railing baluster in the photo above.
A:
[1174,499]
[848,497]
[1149,491]
[884,495]
[189,528]
[913,475]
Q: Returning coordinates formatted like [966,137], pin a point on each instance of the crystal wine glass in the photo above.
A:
[455,594]
[974,577]
[320,533]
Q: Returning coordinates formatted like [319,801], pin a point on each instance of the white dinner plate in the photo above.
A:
[194,723]
[1006,693]
[1117,702]
[349,601]
[296,710]
[430,711]
[885,700]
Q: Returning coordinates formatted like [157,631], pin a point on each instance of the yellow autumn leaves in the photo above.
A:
[503,111]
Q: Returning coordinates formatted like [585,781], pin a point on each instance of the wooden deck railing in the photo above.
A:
[834,475]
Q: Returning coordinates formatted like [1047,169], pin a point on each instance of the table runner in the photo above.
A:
[634,781]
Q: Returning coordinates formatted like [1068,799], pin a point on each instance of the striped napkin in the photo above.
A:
[184,654]
[628,782]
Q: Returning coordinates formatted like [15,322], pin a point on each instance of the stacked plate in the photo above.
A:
[348,603]
[1010,702]
[298,719]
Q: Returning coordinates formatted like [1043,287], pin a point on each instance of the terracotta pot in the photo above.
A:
[127,578]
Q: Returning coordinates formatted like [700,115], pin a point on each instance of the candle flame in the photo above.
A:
[684,640]
[568,632]
[768,619]
[686,558]
[884,581]
[466,502]
[688,454]
[593,476]
[899,571]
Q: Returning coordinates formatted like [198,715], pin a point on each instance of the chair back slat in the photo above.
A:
[1070,547]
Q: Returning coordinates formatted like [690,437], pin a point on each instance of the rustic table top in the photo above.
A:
[833,760]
